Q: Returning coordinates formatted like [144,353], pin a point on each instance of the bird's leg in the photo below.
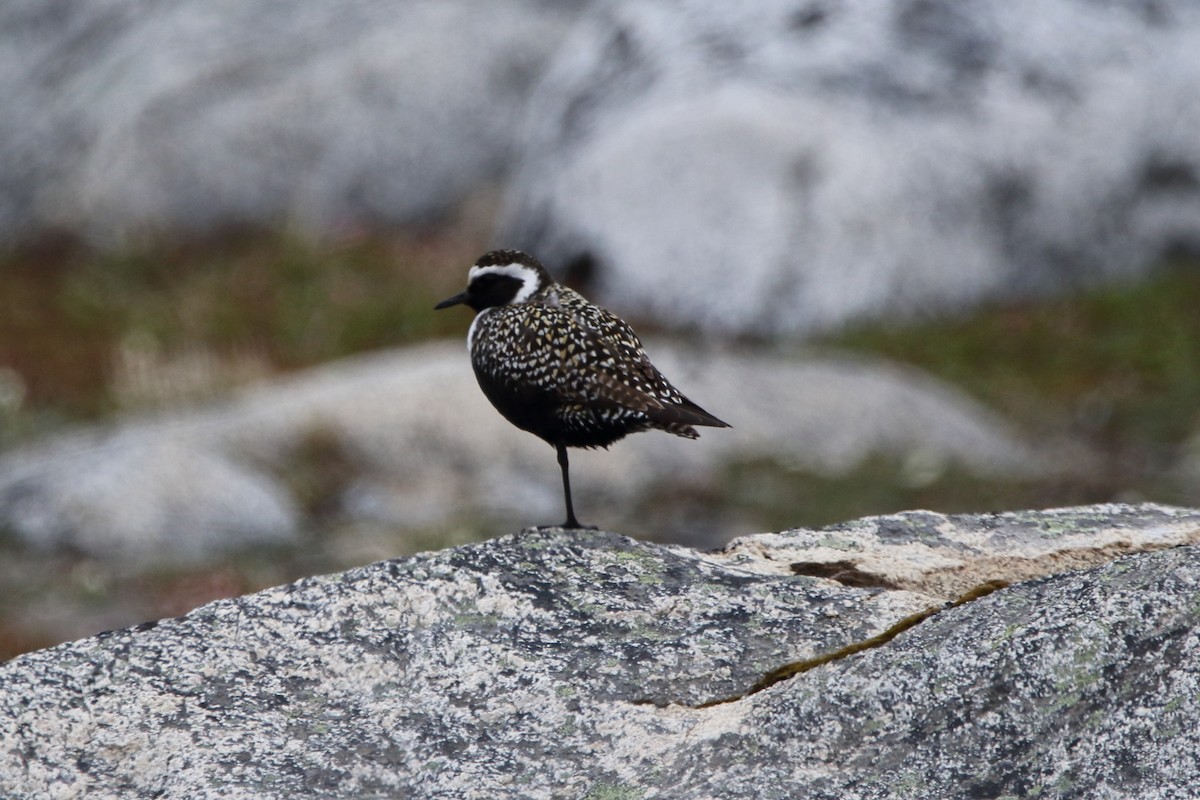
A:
[562,462]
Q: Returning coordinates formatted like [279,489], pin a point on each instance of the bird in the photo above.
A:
[568,371]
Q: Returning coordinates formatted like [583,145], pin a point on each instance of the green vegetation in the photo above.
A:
[1118,365]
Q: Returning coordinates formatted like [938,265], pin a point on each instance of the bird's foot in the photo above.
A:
[569,525]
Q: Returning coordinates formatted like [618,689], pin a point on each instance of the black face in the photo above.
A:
[486,290]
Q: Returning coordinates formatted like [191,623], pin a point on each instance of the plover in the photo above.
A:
[567,371]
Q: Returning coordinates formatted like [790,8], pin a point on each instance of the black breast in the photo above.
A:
[544,413]
[533,363]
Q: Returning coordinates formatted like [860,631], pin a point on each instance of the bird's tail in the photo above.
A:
[679,419]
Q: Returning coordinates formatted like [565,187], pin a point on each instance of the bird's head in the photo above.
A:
[501,278]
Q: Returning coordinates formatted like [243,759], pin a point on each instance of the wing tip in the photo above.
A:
[684,416]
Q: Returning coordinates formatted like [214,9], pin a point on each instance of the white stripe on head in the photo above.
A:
[528,276]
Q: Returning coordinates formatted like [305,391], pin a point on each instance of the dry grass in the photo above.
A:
[86,333]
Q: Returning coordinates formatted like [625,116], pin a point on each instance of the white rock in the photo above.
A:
[144,496]
[122,117]
[773,167]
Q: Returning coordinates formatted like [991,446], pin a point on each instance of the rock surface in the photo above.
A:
[421,446]
[143,495]
[123,117]
[556,664]
[777,166]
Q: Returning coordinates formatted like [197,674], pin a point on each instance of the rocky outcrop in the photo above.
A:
[419,445]
[122,117]
[584,664]
[787,167]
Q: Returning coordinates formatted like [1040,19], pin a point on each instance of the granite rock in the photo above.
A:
[124,117]
[579,664]
[783,167]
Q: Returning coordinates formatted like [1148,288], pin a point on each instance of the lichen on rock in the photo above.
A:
[571,664]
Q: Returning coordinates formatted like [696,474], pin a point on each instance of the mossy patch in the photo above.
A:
[611,791]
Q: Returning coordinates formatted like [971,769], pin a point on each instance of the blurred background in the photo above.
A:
[928,254]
